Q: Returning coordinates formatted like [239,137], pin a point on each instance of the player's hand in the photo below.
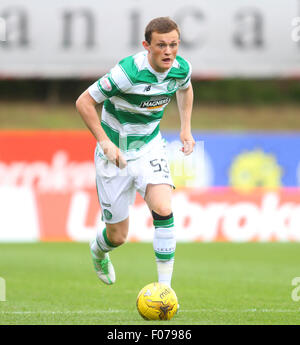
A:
[113,153]
[188,142]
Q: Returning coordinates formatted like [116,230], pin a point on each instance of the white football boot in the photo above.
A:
[104,268]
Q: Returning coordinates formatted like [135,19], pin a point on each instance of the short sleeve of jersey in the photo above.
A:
[111,84]
[187,81]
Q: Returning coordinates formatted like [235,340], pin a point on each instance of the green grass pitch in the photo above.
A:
[216,283]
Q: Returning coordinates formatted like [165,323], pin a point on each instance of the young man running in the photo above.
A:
[130,153]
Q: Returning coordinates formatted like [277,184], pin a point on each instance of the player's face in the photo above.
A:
[162,50]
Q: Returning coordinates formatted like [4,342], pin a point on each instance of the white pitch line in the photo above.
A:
[253,310]
[64,312]
[108,311]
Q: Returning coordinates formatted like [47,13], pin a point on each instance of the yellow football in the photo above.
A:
[157,301]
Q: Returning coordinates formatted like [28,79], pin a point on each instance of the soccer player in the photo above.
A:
[130,153]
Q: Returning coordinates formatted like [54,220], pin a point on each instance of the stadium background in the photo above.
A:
[241,183]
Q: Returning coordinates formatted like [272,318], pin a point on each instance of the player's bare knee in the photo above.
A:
[162,211]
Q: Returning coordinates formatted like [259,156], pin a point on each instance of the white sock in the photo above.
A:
[98,252]
[165,271]
[164,245]
[101,245]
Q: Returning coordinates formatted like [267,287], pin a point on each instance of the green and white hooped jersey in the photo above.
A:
[135,96]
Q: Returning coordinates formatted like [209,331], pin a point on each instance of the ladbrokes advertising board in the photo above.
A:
[232,188]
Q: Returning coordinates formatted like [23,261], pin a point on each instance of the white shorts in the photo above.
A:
[117,187]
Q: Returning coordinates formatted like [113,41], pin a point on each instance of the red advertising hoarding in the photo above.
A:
[47,192]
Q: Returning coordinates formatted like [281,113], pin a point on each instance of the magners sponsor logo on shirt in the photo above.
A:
[156,102]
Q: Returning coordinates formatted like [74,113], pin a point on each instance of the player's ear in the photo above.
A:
[146,45]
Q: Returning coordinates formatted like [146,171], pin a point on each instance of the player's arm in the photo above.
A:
[185,99]
[86,107]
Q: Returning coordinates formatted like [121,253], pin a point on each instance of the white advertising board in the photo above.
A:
[85,38]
